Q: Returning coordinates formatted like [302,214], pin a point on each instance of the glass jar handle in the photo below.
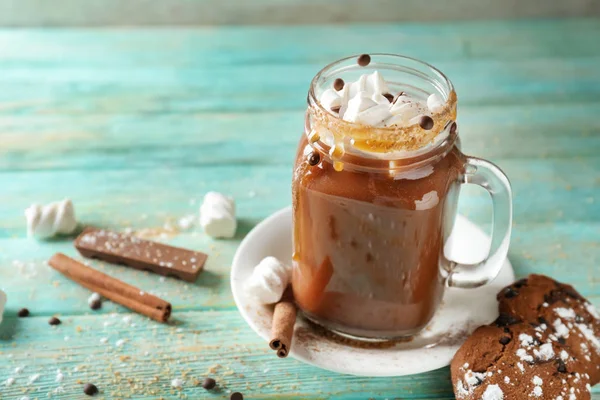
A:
[491,178]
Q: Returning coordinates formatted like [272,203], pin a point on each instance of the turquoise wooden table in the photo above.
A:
[136,125]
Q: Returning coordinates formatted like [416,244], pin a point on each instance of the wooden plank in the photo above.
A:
[198,343]
[319,44]
[73,91]
[111,198]
[269,138]
[541,248]
[545,190]
[212,12]
[136,126]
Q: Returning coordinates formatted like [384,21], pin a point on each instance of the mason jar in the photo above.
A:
[373,209]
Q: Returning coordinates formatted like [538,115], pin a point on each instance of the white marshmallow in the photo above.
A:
[93,298]
[376,84]
[268,281]
[402,113]
[357,87]
[2,304]
[330,98]
[363,102]
[428,201]
[217,215]
[358,104]
[406,109]
[381,100]
[374,116]
[435,103]
[51,219]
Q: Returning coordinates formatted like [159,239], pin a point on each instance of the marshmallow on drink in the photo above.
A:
[268,281]
[217,215]
[51,219]
[367,102]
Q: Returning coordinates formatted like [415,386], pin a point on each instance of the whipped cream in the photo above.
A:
[51,219]
[367,101]
[268,281]
[2,304]
[217,215]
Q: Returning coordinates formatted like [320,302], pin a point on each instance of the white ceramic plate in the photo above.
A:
[461,311]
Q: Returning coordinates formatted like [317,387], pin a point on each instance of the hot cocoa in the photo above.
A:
[375,189]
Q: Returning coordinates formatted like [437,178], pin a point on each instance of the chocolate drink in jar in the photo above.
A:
[375,189]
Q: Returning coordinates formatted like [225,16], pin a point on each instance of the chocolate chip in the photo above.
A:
[506,330]
[509,293]
[426,122]
[553,296]
[453,128]
[23,312]
[561,366]
[542,320]
[505,340]
[236,396]
[389,97]
[505,320]
[209,383]
[96,304]
[54,321]
[363,60]
[90,389]
[336,109]
[562,340]
[579,319]
[520,283]
[338,84]
[314,158]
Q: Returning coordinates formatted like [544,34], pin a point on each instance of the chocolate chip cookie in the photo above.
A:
[559,312]
[512,360]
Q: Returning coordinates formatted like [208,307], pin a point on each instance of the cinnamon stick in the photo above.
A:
[112,288]
[282,330]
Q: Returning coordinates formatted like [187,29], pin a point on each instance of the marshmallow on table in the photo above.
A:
[45,221]
[2,303]
[268,281]
[217,215]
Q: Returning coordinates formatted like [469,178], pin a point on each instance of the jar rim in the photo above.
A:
[329,68]
[409,138]
[399,161]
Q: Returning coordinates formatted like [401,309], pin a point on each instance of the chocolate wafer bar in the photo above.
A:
[131,251]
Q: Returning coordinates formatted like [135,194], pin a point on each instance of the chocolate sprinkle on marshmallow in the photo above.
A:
[338,84]
[336,109]
[389,96]
[363,60]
